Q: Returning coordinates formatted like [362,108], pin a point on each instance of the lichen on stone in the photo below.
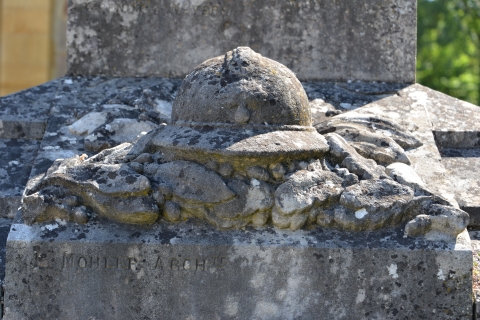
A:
[241,150]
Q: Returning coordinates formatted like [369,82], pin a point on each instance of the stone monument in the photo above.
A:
[253,196]
[242,150]
[240,153]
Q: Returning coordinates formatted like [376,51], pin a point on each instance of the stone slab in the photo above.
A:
[16,160]
[24,115]
[451,114]
[455,123]
[281,260]
[191,271]
[318,40]
[451,173]
[82,93]
[405,105]
[78,96]
[426,160]
[345,96]
[456,129]
[463,166]
[475,240]
[4,230]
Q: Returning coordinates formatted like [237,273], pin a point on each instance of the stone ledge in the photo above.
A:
[467,139]
[24,115]
[265,273]
[449,114]
[463,166]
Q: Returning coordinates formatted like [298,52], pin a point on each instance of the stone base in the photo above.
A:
[383,47]
[192,271]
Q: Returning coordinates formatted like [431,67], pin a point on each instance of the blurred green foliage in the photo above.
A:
[448,53]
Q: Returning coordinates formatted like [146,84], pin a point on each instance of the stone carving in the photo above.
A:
[372,137]
[241,150]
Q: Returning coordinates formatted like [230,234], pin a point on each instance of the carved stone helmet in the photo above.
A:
[241,107]
[243,88]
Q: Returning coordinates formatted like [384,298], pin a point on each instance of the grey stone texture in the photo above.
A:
[71,98]
[417,108]
[35,123]
[242,87]
[24,114]
[23,118]
[373,137]
[318,40]
[17,157]
[475,241]
[463,165]
[456,128]
[252,113]
[5,224]
[407,176]
[193,271]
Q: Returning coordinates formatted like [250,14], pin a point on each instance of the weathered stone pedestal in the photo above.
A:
[244,144]
[193,271]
